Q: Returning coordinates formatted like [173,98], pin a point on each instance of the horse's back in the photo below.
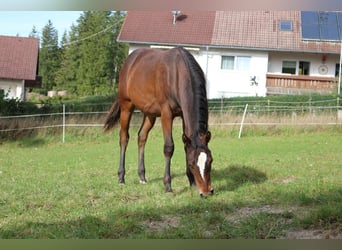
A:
[150,78]
[146,61]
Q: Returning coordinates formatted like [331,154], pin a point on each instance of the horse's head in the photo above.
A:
[199,160]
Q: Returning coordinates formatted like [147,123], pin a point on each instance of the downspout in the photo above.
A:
[207,67]
[339,72]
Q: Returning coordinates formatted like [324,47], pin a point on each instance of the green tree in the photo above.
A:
[96,58]
[91,56]
[119,50]
[66,76]
[49,56]
[34,33]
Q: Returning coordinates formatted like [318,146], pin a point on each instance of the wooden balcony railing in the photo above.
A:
[293,84]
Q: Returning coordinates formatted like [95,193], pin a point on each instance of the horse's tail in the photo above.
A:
[113,116]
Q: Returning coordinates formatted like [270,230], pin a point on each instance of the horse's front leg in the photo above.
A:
[187,143]
[142,138]
[167,120]
[125,118]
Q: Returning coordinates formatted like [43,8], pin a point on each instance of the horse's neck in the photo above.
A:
[192,126]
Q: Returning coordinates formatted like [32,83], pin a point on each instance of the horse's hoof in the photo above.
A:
[142,182]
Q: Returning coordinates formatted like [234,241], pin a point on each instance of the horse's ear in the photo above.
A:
[208,136]
[186,140]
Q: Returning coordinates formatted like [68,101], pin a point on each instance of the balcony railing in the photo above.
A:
[294,84]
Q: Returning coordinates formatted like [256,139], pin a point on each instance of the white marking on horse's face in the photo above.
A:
[201,161]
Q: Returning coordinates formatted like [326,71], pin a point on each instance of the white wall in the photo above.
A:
[276,59]
[229,83]
[14,88]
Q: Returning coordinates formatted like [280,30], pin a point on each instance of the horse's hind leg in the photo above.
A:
[125,118]
[142,138]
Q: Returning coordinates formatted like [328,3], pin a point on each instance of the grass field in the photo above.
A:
[270,183]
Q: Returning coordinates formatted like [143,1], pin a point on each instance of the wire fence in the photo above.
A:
[222,113]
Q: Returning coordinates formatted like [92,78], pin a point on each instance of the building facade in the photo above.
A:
[244,53]
[18,66]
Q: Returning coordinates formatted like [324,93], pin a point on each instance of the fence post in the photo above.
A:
[63,139]
[338,102]
[243,120]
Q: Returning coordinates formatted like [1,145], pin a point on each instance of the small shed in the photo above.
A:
[18,66]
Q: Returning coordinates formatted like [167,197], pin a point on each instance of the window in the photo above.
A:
[289,67]
[285,25]
[243,63]
[304,68]
[227,62]
[240,63]
[337,69]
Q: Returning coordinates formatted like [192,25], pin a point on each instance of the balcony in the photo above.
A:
[281,84]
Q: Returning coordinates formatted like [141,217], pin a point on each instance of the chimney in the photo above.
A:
[175,13]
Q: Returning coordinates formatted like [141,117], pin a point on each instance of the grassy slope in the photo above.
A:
[265,186]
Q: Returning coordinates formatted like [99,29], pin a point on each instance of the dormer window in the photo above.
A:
[285,25]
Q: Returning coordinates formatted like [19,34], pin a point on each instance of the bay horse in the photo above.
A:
[165,84]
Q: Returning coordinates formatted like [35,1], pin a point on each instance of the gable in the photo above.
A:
[18,57]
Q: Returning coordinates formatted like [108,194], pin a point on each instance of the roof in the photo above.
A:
[190,27]
[231,29]
[18,57]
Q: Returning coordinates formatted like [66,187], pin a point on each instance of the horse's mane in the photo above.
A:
[198,84]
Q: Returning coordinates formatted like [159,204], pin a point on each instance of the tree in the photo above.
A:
[66,76]
[96,61]
[119,50]
[34,33]
[49,56]
[91,56]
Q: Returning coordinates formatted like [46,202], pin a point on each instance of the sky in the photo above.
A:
[13,23]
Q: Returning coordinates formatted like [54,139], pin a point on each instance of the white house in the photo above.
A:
[247,53]
[18,65]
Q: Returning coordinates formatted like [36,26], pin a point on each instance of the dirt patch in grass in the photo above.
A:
[313,234]
[241,215]
[164,223]
[245,212]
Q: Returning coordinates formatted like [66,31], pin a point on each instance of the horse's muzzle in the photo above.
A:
[206,195]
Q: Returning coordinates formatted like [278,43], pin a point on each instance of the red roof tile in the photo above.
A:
[18,57]
[257,29]
[235,29]
[191,27]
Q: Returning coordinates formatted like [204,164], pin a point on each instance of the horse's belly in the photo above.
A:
[152,108]
[155,108]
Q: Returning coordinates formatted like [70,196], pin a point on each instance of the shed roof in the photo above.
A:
[233,29]
[18,57]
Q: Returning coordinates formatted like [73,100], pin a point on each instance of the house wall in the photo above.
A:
[13,88]
[230,83]
[276,59]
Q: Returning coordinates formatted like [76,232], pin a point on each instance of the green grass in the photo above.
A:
[266,184]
